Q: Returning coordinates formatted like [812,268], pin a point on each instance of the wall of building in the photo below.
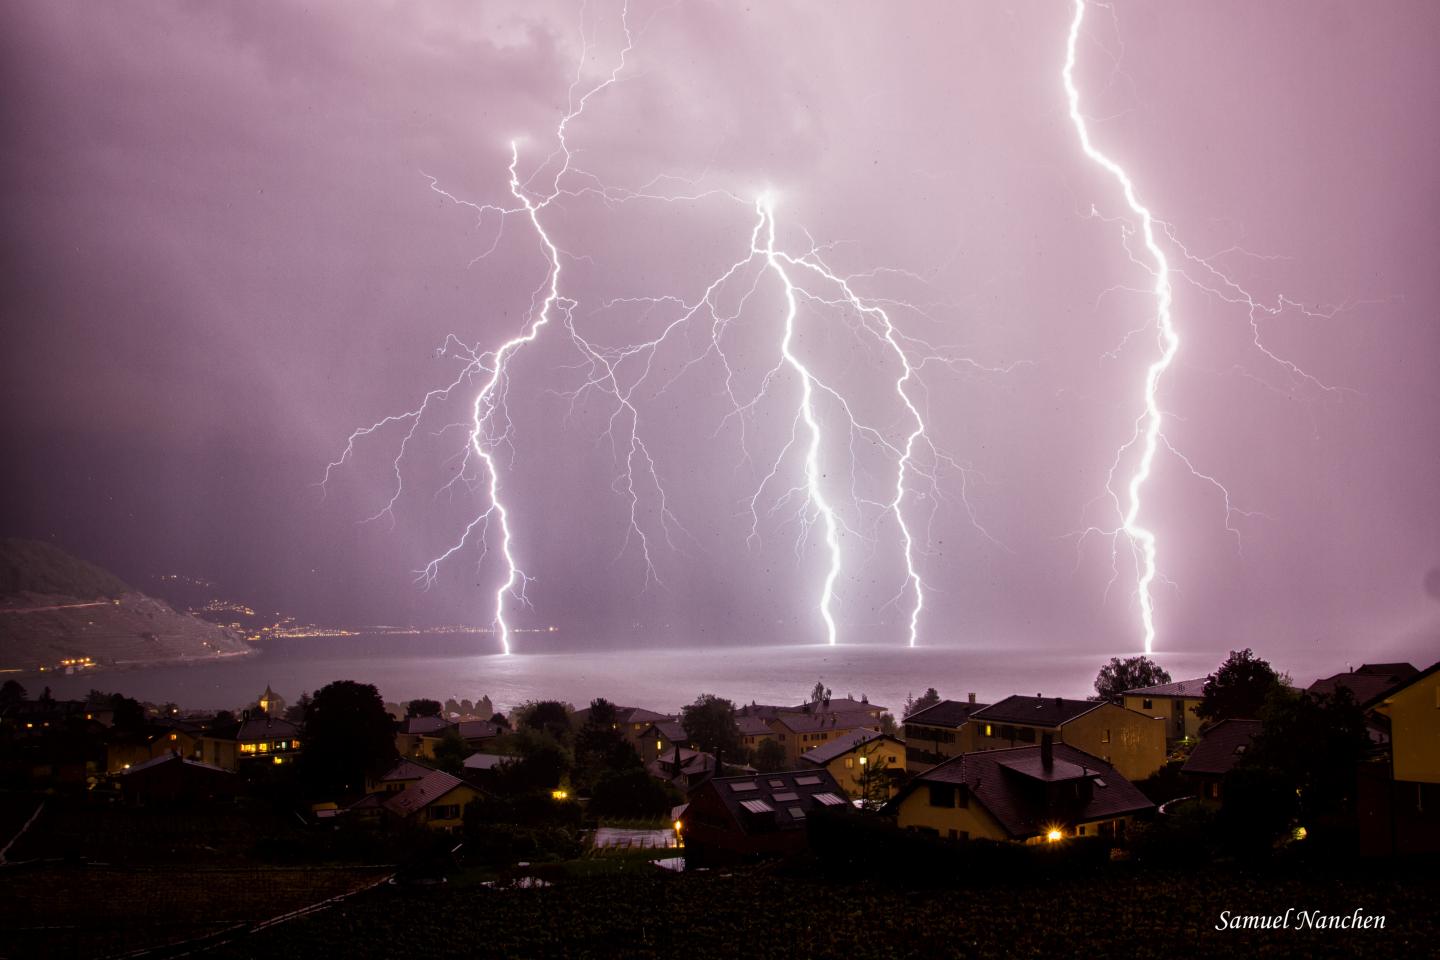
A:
[1415,730]
[1181,722]
[1132,743]
[958,822]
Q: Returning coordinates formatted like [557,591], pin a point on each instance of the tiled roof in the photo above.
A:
[1368,683]
[421,794]
[404,770]
[174,758]
[1180,688]
[1013,786]
[672,730]
[479,729]
[1407,682]
[1036,711]
[946,713]
[267,728]
[485,761]
[1222,747]
[816,722]
[752,726]
[841,745]
[424,726]
[839,705]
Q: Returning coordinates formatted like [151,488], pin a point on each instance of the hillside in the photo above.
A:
[35,567]
[57,610]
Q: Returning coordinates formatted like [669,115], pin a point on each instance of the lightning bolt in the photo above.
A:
[623,375]
[1148,424]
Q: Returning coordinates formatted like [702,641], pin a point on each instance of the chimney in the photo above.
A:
[1059,702]
[1047,751]
[972,697]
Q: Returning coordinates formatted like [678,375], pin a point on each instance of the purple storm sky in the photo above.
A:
[223,254]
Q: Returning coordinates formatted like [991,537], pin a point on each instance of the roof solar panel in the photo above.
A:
[829,799]
[757,806]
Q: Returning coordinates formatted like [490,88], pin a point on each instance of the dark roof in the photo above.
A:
[1368,683]
[765,711]
[1013,785]
[424,726]
[1222,747]
[404,770]
[1036,711]
[671,730]
[422,793]
[479,729]
[1192,689]
[640,715]
[752,726]
[815,722]
[485,761]
[266,727]
[165,758]
[841,745]
[946,713]
[839,705]
[783,799]
[1408,681]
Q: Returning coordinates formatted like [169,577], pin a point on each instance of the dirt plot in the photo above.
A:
[88,911]
[763,915]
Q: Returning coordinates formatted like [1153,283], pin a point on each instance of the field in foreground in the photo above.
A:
[763,914]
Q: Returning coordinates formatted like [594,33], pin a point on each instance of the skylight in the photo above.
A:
[757,806]
[744,786]
[807,781]
[829,799]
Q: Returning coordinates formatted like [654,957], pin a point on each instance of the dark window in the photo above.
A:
[1007,732]
[1027,734]
[942,795]
[1145,704]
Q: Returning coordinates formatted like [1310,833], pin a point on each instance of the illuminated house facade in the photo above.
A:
[1175,703]
[1133,742]
[1400,807]
[800,733]
[862,763]
[436,801]
[1033,794]
[932,735]
[268,739]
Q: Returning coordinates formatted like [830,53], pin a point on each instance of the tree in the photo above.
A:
[820,692]
[451,751]
[887,723]
[1238,688]
[126,715]
[297,711]
[12,694]
[769,756]
[548,716]
[452,706]
[600,747]
[422,708]
[928,699]
[1118,675]
[348,735]
[543,765]
[710,723]
[225,725]
[633,793]
[1315,743]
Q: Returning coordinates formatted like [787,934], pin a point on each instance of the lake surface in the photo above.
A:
[444,666]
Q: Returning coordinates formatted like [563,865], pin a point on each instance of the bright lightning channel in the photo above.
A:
[1148,425]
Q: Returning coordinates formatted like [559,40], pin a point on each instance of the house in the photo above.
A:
[661,738]
[1175,703]
[1031,794]
[631,721]
[932,735]
[479,734]
[418,736]
[437,801]
[864,763]
[730,819]
[799,733]
[1400,807]
[270,702]
[1216,755]
[685,769]
[217,751]
[171,778]
[485,761]
[1132,741]
[1367,683]
[843,705]
[267,738]
[753,731]
[403,773]
[125,751]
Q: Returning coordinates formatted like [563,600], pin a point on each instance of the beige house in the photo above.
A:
[932,735]
[862,763]
[1175,703]
[1133,742]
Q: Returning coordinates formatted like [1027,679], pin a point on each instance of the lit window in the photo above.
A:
[849,762]
[264,747]
[1105,738]
[987,730]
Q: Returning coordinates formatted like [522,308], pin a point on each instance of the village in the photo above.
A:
[1240,766]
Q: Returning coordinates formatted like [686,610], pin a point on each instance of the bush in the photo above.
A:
[632,794]
[1182,837]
